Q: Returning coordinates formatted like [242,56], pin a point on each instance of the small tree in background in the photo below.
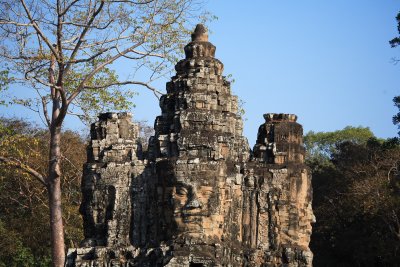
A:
[396,41]
[63,52]
[396,118]
[24,216]
[320,146]
[396,100]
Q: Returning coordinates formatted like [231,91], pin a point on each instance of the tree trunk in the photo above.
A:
[54,190]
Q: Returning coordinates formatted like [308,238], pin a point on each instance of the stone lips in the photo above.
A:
[199,198]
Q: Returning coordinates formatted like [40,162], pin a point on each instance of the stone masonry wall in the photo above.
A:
[200,197]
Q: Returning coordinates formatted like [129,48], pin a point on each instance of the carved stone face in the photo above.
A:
[191,202]
[194,209]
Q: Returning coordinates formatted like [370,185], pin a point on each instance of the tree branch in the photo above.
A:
[59,39]
[45,112]
[38,30]
[18,164]
[9,22]
[103,42]
[64,107]
[68,7]
[90,27]
[142,54]
[91,57]
[133,2]
[98,68]
[82,36]
[155,91]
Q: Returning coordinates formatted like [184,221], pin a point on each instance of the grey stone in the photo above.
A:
[198,198]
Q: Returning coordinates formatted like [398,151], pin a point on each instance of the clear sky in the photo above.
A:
[329,62]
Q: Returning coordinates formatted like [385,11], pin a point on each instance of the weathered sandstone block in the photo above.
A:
[199,198]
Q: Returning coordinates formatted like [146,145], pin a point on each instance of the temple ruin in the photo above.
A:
[199,197]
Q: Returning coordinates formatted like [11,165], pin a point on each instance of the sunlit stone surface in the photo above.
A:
[200,198]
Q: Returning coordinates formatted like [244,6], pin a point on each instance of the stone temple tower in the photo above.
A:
[200,197]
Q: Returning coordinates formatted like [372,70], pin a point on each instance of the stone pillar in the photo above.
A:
[112,165]
[280,140]
[199,150]
[283,194]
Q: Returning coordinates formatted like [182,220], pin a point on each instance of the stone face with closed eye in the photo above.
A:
[198,197]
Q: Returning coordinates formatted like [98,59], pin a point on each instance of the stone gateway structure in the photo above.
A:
[199,197]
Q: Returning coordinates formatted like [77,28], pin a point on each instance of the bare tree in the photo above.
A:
[64,50]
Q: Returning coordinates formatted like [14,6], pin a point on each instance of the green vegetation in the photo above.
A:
[356,183]
[24,215]
[396,100]
[321,145]
[356,178]
[396,41]
[62,53]
[396,118]
[356,198]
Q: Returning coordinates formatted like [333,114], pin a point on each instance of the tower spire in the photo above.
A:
[199,46]
[200,34]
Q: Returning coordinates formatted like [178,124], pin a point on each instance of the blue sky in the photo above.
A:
[329,62]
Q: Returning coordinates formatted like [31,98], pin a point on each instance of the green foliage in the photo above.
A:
[98,96]
[145,37]
[3,85]
[24,216]
[396,118]
[65,52]
[3,79]
[396,100]
[396,41]
[320,146]
[357,205]
[229,78]
[13,252]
